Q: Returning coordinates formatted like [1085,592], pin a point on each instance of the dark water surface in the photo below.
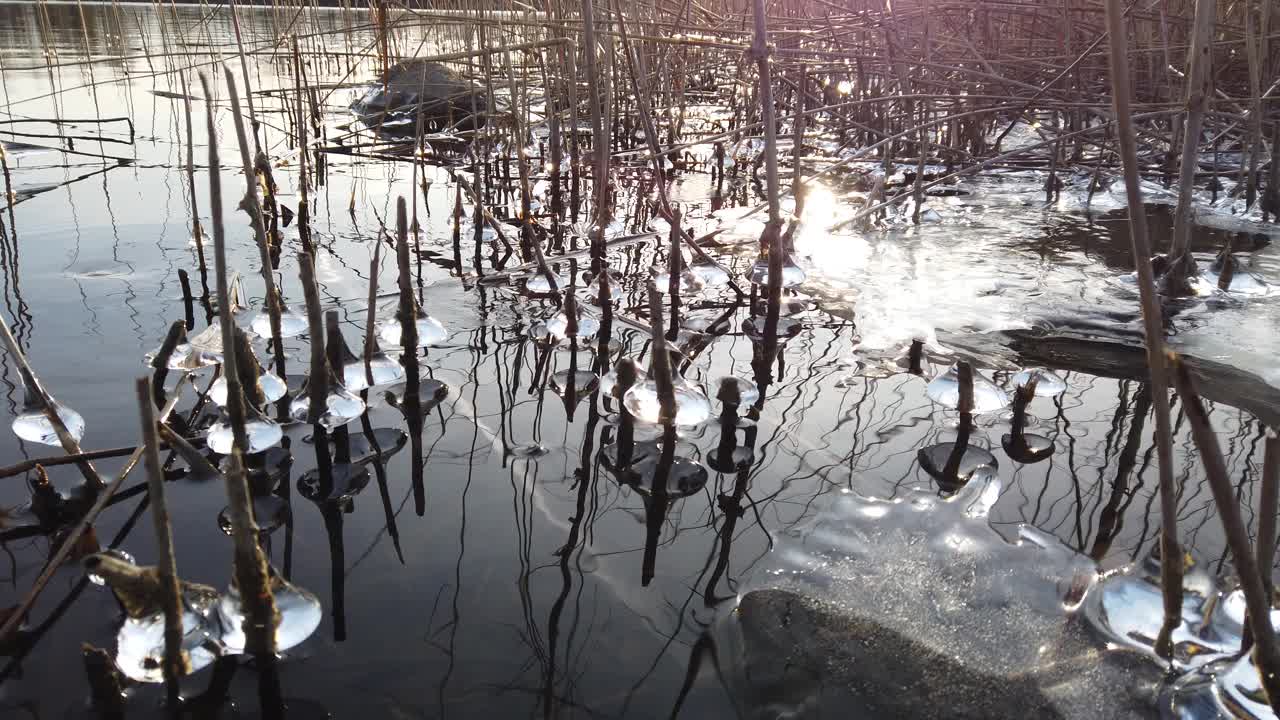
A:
[515,589]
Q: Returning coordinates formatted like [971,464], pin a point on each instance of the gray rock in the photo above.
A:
[415,87]
[802,657]
[918,608]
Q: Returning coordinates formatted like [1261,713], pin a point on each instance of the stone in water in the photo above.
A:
[917,608]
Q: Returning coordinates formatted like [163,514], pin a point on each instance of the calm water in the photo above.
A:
[515,588]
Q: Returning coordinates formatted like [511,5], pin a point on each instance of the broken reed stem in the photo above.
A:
[370,326]
[235,401]
[177,332]
[1254,147]
[660,361]
[570,309]
[35,390]
[1171,564]
[251,577]
[1199,90]
[249,369]
[644,109]
[244,75]
[1257,600]
[797,176]
[191,171]
[600,137]
[522,160]
[675,268]
[29,465]
[303,179]
[1271,201]
[106,683]
[333,343]
[408,316]
[1268,506]
[760,52]
[252,205]
[964,374]
[196,460]
[540,261]
[408,310]
[174,665]
[318,377]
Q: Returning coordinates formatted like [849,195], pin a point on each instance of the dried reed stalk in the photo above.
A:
[1268,507]
[252,205]
[660,360]
[1171,564]
[173,665]
[1257,599]
[251,576]
[1199,91]
[318,376]
[71,540]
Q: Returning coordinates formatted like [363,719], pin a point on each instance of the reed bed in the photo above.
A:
[582,95]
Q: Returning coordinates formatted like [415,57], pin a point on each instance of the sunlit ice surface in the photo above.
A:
[994,264]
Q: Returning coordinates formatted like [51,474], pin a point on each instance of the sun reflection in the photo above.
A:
[821,209]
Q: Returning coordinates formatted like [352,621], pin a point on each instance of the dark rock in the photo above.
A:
[415,87]
[806,658]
